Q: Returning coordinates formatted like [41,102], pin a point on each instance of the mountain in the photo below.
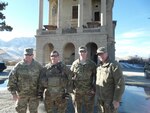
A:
[13,49]
[22,42]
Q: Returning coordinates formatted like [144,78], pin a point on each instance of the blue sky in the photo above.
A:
[133,27]
[132,31]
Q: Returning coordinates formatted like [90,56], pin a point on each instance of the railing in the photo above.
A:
[92,30]
[50,27]
[91,27]
[93,24]
[69,30]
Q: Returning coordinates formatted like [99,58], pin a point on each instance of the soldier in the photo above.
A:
[84,71]
[147,66]
[54,79]
[147,70]
[109,83]
[23,83]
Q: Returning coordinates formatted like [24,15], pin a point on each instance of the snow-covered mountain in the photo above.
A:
[13,49]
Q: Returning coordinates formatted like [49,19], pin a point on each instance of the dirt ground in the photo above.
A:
[7,104]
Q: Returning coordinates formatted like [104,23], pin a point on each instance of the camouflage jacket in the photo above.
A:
[23,79]
[84,75]
[147,67]
[55,78]
[110,81]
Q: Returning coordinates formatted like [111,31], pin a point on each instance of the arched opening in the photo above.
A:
[69,53]
[92,47]
[47,50]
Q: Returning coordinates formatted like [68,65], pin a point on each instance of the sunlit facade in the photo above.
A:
[73,23]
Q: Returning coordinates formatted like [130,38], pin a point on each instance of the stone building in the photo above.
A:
[73,23]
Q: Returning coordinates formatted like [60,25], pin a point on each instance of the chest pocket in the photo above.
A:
[106,75]
[82,71]
[54,81]
[55,77]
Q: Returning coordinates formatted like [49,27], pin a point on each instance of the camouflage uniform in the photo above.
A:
[147,66]
[23,81]
[55,79]
[147,70]
[109,86]
[84,81]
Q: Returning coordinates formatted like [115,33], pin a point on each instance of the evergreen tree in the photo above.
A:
[3,25]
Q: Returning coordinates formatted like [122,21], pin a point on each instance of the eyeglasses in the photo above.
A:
[28,54]
[82,51]
[54,55]
[99,54]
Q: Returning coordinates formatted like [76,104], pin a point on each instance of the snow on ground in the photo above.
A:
[131,66]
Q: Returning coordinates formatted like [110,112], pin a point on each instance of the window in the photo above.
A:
[74,12]
[96,16]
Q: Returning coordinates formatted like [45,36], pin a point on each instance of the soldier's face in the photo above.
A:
[83,54]
[28,58]
[102,57]
[54,59]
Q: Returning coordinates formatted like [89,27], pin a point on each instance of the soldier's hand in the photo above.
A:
[116,104]
[15,97]
[91,92]
[65,96]
[40,96]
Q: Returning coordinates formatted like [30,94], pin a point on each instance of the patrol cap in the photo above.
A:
[82,48]
[28,51]
[54,53]
[101,50]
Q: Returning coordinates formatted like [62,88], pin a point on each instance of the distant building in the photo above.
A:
[73,23]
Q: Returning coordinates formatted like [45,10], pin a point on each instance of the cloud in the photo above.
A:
[131,50]
[134,33]
[133,43]
[124,42]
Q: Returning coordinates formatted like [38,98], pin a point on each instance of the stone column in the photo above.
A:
[50,13]
[80,16]
[103,12]
[59,12]
[40,14]
[80,13]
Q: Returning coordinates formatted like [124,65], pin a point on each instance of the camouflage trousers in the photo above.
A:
[83,99]
[54,103]
[105,106]
[24,102]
